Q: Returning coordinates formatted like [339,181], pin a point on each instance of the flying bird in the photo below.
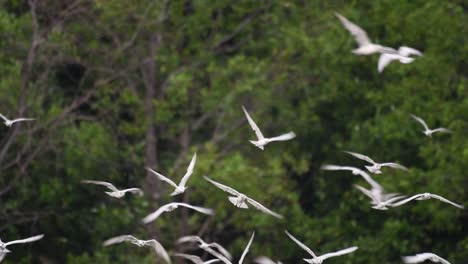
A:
[379,199]
[158,248]
[418,258]
[181,187]
[195,259]
[427,131]
[366,47]
[221,253]
[319,259]
[3,245]
[171,207]
[375,168]
[425,196]
[265,260]
[261,140]
[403,56]
[114,191]
[240,200]
[9,122]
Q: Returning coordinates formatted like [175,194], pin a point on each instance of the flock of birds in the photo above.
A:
[380,200]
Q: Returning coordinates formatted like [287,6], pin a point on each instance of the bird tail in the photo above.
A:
[234,201]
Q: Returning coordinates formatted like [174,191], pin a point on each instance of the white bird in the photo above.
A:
[427,131]
[403,56]
[319,259]
[3,245]
[425,196]
[195,259]
[366,47]
[181,187]
[240,199]
[221,253]
[355,171]
[158,248]
[114,191]
[418,258]
[375,168]
[261,140]
[265,260]
[171,207]
[9,122]
[379,198]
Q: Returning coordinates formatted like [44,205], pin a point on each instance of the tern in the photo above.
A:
[375,168]
[9,122]
[261,140]
[240,199]
[171,207]
[379,199]
[181,187]
[319,259]
[221,253]
[158,248]
[114,191]
[366,47]
[195,259]
[403,56]
[418,258]
[354,171]
[425,196]
[3,245]
[265,260]
[427,131]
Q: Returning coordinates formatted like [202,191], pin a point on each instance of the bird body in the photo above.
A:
[427,131]
[158,248]
[9,122]
[426,196]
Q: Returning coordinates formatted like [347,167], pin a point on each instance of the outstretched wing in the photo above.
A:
[375,200]
[189,172]
[394,165]
[221,249]
[263,260]
[422,257]
[154,215]
[284,137]
[202,210]
[401,202]
[103,183]
[421,121]
[136,191]
[407,51]
[359,34]
[119,239]
[21,120]
[307,249]
[262,208]
[159,249]
[246,248]
[162,177]
[440,198]
[360,156]
[192,258]
[217,255]
[441,129]
[4,117]
[384,60]
[194,239]
[338,253]
[253,125]
[223,187]
[26,240]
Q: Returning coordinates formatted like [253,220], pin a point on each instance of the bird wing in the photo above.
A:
[394,165]
[359,34]
[4,117]
[300,244]
[263,260]
[262,208]
[217,255]
[136,191]
[202,210]
[162,177]
[418,258]
[154,215]
[336,167]
[189,170]
[440,198]
[193,258]
[253,125]
[221,249]
[246,248]
[159,249]
[384,60]
[119,239]
[360,156]
[407,51]
[223,187]
[401,202]
[421,121]
[338,253]
[211,261]
[368,193]
[22,119]
[284,137]
[441,129]
[103,183]
[26,240]
[186,239]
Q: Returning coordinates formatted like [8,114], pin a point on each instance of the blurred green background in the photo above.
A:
[118,85]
